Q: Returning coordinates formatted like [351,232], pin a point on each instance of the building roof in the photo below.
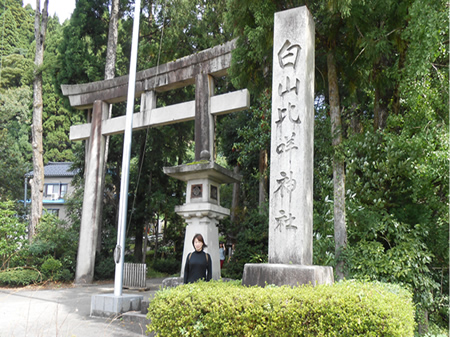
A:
[53,169]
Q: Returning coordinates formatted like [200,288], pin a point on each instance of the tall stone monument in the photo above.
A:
[292,152]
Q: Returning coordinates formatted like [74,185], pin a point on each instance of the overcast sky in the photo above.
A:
[63,8]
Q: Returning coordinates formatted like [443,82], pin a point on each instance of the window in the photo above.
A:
[53,211]
[63,190]
[55,191]
[50,190]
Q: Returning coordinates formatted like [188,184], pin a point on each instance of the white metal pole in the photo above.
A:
[123,201]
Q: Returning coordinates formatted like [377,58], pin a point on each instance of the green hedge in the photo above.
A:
[19,277]
[168,266]
[218,308]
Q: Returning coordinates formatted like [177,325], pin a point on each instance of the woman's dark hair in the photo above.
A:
[199,237]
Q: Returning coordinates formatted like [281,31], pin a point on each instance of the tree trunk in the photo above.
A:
[110,66]
[144,249]
[155,256]
[340,230]
[148,223]
[423,322]
[355,120]
[380,111]
[139,227]
[164,230]
[138,242]
[262,178]
[37,185]
[235,197]
[111,51]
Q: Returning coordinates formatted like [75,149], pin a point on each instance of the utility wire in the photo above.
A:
[146,134]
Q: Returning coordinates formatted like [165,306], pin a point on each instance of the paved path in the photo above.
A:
[31,312]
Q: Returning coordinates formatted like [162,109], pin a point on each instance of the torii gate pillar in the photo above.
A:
[204,120]
[93,195]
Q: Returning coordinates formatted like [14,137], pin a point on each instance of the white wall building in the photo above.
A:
[57,187]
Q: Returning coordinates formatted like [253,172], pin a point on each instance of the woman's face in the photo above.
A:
[198,245]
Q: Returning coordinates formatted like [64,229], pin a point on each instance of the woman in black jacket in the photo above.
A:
[198,263]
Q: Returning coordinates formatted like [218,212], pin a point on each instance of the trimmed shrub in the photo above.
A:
[168,266]
[66,275]
[51,268]
[104,268]
[216,308]
[54,247]
[19,277]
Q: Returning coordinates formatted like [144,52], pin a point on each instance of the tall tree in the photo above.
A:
[16,71]
[17,22]
[84,45]
[57,118]
[110,67]
[330,39]
[37,185]
[340,229]
[11,38]
[15,147]
[111,48]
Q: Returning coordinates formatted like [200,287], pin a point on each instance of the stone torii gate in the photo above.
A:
[199,69]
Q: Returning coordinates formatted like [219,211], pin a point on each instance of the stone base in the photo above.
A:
[292,275]
[208,228]
[172,282]
[108,305]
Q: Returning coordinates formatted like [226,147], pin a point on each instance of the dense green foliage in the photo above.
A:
[228,309]
[169,266]
[19,277]
[51,256]
[12,233]
[15,147]
[251,242]
[54,241]
[52,252]
[18,23]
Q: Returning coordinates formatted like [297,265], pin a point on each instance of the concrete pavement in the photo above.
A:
[34,312]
